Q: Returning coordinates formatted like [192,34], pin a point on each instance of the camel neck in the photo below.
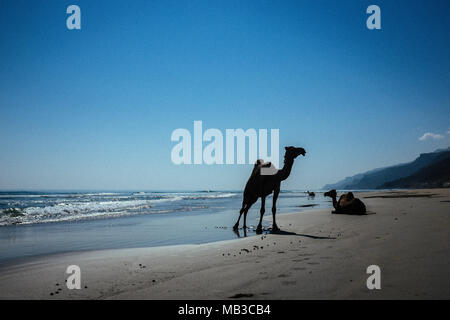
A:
[334,201]
[284,173]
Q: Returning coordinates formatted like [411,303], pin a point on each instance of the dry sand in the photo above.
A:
[320,256]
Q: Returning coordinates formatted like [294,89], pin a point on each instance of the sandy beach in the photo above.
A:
[317,256]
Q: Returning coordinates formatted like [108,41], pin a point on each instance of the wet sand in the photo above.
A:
[317,256]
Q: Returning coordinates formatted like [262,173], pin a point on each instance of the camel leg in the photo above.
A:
[236,226]
[245,215]
[274,210]
[245,219]
[263,209]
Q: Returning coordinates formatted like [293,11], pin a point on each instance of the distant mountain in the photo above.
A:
[377,178]
[435,175]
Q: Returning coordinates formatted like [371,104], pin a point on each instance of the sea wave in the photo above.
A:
[99,205]
[212,196]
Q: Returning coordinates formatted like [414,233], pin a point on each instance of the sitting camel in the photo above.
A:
[347,203]
[261,185]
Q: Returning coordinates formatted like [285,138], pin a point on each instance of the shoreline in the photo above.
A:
[317,256]
[190,219]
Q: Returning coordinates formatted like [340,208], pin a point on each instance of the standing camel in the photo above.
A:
[259,185]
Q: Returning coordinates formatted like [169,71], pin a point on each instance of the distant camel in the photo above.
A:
[259,185]
[347,203]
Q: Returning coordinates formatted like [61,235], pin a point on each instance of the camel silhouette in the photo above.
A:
[261,185]
[347,203]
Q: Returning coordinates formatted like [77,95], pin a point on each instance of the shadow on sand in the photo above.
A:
[287,233]
[284,233]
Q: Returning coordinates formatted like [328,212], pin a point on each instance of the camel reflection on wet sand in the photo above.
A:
[278,232]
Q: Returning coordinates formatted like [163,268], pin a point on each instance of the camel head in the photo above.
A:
[293,152]
[331,194]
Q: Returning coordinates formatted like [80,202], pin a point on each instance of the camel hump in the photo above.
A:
[257,167]
[346,199]
[261,164]
[258,162]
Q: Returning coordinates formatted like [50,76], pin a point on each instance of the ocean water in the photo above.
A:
[40,223]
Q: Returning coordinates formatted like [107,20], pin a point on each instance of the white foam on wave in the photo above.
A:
[66,211]
[211,196]
[70,210]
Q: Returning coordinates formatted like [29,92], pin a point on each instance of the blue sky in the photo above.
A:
[95,108]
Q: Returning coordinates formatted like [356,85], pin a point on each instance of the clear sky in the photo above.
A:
[95,108]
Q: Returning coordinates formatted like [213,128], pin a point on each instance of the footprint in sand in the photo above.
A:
[58,290]
[241,295]
[300,260]
[283,275]
[288,283]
